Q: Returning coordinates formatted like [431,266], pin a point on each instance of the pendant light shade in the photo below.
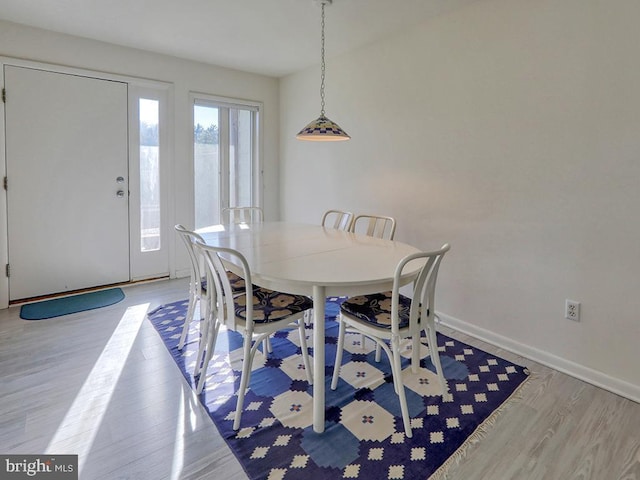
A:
[322,129]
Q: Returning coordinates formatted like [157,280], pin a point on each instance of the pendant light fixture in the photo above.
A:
[322,129]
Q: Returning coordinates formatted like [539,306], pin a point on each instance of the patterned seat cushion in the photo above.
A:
[376,309]
[237,282]
[271,306]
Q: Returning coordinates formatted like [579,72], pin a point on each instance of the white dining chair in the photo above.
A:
[197,288]
[256,315]
[338,219]
[378,226]
[197,281]
[390,316]
[247,216]
[237,215]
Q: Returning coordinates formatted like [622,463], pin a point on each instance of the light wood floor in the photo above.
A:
[102,385]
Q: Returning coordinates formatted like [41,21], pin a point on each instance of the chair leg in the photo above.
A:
[210,341]
[388,352]
[205,324]
[187,320]
[415,353]
[266,347]
[340,347]
[305,350]
[397,377]
[247,360]
[378,350]
[435,356]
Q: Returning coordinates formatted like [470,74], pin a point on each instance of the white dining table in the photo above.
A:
[315,261]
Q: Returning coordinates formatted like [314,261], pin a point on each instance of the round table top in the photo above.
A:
[294,257]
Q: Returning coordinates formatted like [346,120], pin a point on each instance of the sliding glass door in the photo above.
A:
[225,156]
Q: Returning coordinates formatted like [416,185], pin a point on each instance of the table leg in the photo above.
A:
[319,299]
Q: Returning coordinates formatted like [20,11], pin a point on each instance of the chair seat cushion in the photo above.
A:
[236,281]
[375,309]
[271,306]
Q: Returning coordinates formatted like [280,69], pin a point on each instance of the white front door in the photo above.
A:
[67,171]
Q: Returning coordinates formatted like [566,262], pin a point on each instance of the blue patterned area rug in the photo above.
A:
[364,436]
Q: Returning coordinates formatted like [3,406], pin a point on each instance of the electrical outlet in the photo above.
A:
[572,310]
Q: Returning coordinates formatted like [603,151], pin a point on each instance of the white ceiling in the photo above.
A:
[271,37]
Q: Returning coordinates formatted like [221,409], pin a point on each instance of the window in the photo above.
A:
[149,175]
[225,156]
[149,166]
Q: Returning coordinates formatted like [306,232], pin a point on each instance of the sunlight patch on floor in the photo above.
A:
[78,429]
[178,449]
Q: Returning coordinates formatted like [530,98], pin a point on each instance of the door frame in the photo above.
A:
[167,192]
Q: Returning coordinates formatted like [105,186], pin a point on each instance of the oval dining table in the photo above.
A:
[315,261]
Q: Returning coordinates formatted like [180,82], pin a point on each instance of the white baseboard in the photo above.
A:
[594,377]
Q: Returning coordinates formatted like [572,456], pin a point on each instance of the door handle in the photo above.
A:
[120,193]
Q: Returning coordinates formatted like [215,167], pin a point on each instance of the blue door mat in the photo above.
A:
[73,304]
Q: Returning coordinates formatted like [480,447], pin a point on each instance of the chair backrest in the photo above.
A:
[237,215]
[338,219]
[424,286]
[190,238]
[377,226]
[221,295]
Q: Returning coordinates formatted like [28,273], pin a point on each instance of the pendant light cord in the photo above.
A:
[322,129]
[322,69]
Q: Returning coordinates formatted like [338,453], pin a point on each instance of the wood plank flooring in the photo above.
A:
[101,384]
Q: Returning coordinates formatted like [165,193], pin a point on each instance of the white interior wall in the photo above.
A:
[22,42]
[511,130]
